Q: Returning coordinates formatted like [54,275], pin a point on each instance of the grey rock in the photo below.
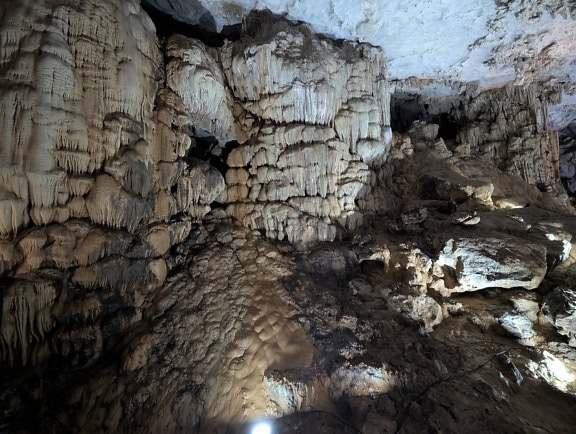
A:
[560,308]
[517,324]
[473,264]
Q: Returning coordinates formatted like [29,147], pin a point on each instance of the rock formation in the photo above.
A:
[195,237]
[318,117]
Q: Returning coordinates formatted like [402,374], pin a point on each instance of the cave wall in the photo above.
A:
[319,120]
[97,181]
[509,126]
[98,120]
[92,164]
[101,199]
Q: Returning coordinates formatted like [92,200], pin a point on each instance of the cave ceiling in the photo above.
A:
[445,43]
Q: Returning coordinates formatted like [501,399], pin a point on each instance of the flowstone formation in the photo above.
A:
[196,237]
[512,41]
[311,119]
[322,119]
[89,138]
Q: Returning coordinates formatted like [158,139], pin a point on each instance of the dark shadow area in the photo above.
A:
[206,148]
[448,126]
[370,266]
[205,30]
[567,166]
[220,162]
[405,109]
[202,149]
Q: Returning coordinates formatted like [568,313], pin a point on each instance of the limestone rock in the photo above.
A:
[10,256]
[553,371]
[125,294]
[440,180]
[196,76]
[26,319]
[568,157]
[527,304]
[473,264]
[324,114]
[418,307]
[197,188]
[560,308]
[517,324]
[423,131]
[513,135]
[50,132]
[524,42]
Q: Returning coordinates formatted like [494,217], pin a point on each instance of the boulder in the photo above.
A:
[517,325]
[472,264]
[560,308]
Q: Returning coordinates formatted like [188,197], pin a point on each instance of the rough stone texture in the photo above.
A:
[81,134]
[560,308]
[317,115]
[195,74]
[513,135]
[211,343]
[88,135]
[517,324]
[470,265]
[131,302]
[72,109]
[568,157]
[503,42]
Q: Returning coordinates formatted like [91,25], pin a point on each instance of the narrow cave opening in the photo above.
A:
[407,108]
[207,148]
[203,146]
[448,126]
[372,265]
[205,30]
[404,110]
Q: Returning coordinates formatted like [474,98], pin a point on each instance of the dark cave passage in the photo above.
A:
[405,109]
[205,30]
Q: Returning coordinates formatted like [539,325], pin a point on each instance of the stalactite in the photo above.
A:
[317,116]
[26,318]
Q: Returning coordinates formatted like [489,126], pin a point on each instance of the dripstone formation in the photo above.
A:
[198,236]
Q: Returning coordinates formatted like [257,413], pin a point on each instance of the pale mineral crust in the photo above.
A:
[196,236]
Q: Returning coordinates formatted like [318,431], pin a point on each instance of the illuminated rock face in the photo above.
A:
[318,118]
[72,109]
[98,190]
[487,263]
[503,42]
[195,74]
[141,273]
[89,136]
